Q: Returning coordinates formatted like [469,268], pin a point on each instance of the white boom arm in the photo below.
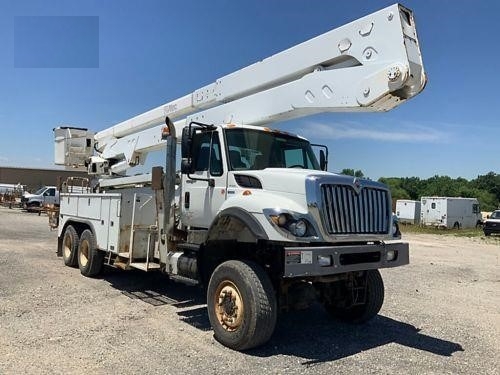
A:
[371,64]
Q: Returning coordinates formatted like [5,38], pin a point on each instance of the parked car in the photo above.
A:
[45,195]
[492,223]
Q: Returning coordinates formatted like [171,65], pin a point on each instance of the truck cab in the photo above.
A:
[276,179]
[225,161]
[46,195]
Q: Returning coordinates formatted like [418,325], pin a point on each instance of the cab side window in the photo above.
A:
[50,193]
[207,153]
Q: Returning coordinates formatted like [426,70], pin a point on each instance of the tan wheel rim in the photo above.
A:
[68,245]
[84,253]
[229,306]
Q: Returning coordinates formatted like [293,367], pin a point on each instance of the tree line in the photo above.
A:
[486,188]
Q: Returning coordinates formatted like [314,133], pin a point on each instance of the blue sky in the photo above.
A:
[150,52]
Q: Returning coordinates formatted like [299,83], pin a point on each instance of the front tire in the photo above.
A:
[241,305]
[33,206]
[70,247]
[90,258]
[361,312]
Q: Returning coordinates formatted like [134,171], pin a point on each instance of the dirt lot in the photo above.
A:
[441,316]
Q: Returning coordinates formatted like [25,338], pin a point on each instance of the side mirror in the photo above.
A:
[322,160]
[186,142]
[323,156]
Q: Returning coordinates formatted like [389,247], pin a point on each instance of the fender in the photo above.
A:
[236,223]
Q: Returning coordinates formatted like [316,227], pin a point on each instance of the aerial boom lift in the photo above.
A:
[371,64]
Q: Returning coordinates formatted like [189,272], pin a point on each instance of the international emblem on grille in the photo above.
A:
[356,184]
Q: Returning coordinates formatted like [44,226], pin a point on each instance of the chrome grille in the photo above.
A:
[345,211]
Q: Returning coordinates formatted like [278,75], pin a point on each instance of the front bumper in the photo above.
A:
[491,227]
[310,261]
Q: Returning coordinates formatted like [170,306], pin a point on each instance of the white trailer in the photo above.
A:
[252,214]
[450,212]
[408,211]
[11,189]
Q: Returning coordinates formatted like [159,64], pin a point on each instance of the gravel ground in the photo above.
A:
[441,316]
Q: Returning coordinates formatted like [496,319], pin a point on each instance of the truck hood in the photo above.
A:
[492,221]
[291,180]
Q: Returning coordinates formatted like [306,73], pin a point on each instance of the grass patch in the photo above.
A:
[469,232]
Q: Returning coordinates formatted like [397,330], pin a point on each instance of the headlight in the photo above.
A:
[286,221]
[280,220]
[390,255]
[298,228]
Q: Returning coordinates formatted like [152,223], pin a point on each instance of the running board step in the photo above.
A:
[145,266]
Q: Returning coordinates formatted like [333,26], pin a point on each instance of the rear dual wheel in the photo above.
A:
[70,246]
[90,258]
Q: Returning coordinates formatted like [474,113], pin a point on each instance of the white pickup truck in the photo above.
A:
[44,195]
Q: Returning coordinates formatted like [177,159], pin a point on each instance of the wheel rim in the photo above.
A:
[84,253]
[229,306]
[68,245]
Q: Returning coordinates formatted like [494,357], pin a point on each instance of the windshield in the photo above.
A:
[40,191]
[495,215]
[258,149]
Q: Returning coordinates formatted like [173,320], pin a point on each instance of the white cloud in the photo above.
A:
[406,132]
[3,159]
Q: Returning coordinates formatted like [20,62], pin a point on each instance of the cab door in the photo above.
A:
[49,196]
[204,190]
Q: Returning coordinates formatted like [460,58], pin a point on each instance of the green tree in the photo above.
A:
[489,182]
[413,186]
[485,188]
[352,172]
[397,191]
[347,171]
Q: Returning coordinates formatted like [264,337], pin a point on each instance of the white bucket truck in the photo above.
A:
[253,216]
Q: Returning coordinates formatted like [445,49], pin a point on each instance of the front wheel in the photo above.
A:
[32,206]
[360,301]
[241,305]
